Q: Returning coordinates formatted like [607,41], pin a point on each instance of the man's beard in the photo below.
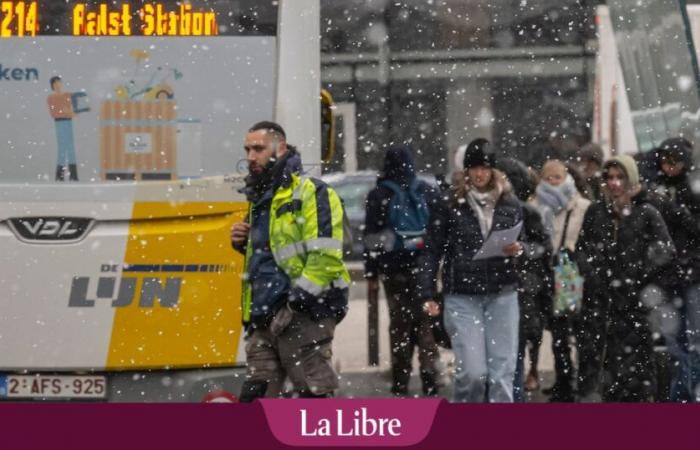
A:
[262,180]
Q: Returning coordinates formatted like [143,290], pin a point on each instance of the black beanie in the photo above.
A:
[478,153]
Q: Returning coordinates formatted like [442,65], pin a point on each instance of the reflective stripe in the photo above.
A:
[340,283]
[288,251]
[323,244]
[309,286]
[300,248]
[313,288]
[296,195]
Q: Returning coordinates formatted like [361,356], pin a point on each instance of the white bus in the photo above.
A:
[665,89]
[121,156]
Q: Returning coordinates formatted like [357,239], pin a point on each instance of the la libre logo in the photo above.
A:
[358,424]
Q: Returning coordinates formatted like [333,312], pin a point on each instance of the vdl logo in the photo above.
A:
[50,229]
[124,295]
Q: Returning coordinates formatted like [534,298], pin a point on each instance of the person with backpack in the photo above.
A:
[481,298]
[398,211]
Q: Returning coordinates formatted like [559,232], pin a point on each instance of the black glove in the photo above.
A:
[301,300]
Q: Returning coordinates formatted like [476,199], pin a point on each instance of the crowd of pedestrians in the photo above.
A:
[601,254]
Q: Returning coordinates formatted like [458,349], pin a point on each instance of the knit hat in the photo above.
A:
[679,149]
[627,164]
[591,152]
[478,153]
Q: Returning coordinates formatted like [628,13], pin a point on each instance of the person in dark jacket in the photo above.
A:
[679,182]
[534,273]
[590,161]
[481,299]
[409,318]
[623,246]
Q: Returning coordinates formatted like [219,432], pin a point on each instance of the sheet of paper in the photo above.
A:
[493,247]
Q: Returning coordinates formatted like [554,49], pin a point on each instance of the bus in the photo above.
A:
[646,89]
[121,160]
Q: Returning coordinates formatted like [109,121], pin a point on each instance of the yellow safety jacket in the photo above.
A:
[306,240]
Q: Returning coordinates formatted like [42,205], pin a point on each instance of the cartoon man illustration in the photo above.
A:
[61,110]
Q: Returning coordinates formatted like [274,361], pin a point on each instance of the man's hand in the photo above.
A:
[514,249]
[431,308]
[281,321]
[239,233]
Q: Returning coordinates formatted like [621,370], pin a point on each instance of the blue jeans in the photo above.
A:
[685,385]
[484,331]
[66,144]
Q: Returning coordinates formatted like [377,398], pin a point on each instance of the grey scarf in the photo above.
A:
[484,204]
[557,198]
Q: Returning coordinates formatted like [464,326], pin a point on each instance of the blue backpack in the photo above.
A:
[408,215]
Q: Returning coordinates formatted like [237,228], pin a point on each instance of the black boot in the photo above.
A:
[308,394]
[400,378]
[430,387]
[562,392]
[60,173]
[399,390]
[252,390]
[73,170]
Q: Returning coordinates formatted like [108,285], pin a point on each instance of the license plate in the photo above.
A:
[53,386]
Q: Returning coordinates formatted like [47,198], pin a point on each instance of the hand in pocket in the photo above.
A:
[281,321]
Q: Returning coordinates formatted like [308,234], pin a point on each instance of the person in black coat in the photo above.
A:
[534,272]
[623,246]
[681,184]
[481,301]
[409,318]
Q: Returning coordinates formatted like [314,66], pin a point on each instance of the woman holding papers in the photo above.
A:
[481,302]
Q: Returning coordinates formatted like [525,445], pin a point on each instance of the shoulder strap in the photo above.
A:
[566,227]
[391,185]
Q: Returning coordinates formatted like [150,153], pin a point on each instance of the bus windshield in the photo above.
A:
[97,91]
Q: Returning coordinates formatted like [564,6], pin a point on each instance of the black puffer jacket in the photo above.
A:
[685,232]
[535,264]
[623,253]
[455,237]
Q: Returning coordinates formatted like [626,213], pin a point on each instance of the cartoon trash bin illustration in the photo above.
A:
[138,140]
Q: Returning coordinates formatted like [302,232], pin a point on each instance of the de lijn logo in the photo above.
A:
[18,74]
[50,229]
[123,291]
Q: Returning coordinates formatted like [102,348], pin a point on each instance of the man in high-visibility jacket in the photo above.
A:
[295,287]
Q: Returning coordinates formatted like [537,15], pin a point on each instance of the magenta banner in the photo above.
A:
[424,424]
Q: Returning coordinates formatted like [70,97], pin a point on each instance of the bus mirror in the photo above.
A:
[327,126]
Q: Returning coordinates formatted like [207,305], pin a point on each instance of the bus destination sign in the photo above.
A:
[21,18]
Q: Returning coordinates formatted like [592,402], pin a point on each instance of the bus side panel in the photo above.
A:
[39,329]
[193,253]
